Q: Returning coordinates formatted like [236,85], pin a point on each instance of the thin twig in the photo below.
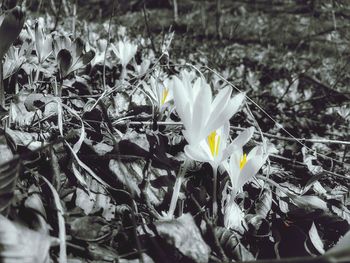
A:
[325,141]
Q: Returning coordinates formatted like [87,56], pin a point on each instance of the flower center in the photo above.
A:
[164,95]
[243,161]
[214,142]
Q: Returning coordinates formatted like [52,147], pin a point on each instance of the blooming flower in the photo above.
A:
[242,167]
[101,45]
[214,148]
[14,59]
[125,51]
[200,114]
[43,43]
[160,91]
[142,68]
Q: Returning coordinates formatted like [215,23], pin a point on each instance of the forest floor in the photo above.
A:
[89,162]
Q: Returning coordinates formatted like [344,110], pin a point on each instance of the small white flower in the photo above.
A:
[125,51]
[101,45]
[43,43]
[142,68]
[214,149]
[242,168]
[200,114]
[161,92]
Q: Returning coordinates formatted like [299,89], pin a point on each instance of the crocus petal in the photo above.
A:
[180,98]
[200,110]
[224,133]
[244,137]
[216,118]
[234,169]
[195,152]
[187,77]
[249,170]
[221,99]
[238,142]
[257,150]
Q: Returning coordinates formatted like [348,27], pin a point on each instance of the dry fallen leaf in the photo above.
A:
[185,236]
[20,244]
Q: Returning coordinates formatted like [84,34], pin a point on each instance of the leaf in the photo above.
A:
[341,251]
[183,234]
[314,169]
[8,174]
[98,227]
[64,60]
[228,239]
[11,24]
[263,205]
[130,173]
[26,139]
[315,239]
[310,202]
[20,116]
[95,200]
[257,225]
[45,102]
[20,244]
[230,242]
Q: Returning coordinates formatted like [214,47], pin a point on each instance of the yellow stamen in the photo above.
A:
[243,161]
[214,142]
[164,95]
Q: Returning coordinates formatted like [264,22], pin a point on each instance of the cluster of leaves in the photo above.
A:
[92,145]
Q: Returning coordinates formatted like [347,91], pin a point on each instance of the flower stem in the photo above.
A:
[2,89]
[123,73]
[215,182]
[177,187]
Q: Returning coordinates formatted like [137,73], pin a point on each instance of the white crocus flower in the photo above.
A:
[187,77]
[43,43]
[142,68]
[101,46]
[242,167]
[160,91]
[214,148]
[200,114]
[125,51]
[206,122]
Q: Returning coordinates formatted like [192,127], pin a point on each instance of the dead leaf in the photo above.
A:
[98,227]
[315,239]
[131,175]
[95,200]
[185,236]
[263,205]
[20,244]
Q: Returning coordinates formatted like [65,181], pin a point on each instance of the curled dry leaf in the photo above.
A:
[315,239]
[185,236]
